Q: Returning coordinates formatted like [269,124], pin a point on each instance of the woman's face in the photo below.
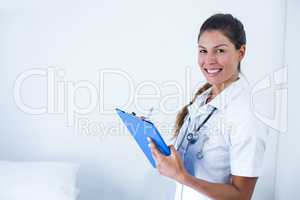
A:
[218,58]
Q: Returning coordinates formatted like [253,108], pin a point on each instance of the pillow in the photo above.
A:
[38,180]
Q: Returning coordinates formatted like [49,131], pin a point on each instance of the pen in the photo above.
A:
[149,113]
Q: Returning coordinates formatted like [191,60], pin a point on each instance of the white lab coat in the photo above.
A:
[232,142]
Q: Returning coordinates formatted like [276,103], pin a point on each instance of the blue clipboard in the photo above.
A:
[140,129]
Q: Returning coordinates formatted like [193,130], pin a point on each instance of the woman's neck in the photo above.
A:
[218,88]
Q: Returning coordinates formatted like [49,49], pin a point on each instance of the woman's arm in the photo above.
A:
[241,188]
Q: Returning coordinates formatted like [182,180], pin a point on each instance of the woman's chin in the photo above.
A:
[219,80]
[214,81]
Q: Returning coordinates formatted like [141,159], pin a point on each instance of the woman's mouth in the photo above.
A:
[213,72]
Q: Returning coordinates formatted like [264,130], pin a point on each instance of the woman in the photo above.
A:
[219,147]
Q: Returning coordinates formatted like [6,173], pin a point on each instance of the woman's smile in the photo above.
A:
[212,72]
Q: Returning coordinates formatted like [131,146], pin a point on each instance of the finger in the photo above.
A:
[149,139]
[154,149]
[154,155]
[173,150]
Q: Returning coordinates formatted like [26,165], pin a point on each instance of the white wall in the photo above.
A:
[287,182]
[146,40]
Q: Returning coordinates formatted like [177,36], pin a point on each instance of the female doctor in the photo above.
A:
[219,147]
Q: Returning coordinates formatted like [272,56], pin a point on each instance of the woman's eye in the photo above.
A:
[220,51]
[202,51]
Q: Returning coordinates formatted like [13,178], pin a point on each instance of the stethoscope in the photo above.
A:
[191,137]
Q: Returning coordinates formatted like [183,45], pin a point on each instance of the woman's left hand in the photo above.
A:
[170,166]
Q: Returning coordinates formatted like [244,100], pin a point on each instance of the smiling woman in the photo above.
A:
[220,145]
[218,58]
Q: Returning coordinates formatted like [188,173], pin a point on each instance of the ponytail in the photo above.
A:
[184,111]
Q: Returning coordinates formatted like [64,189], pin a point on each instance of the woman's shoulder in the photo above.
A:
[241,114]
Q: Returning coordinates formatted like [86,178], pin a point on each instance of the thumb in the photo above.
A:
[173,150]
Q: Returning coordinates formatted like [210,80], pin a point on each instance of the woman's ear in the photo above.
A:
[242,52]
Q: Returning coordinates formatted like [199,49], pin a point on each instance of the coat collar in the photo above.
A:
[222,100]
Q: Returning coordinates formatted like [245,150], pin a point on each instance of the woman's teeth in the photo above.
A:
[213,72]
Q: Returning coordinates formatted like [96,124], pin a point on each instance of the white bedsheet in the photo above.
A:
[38,181]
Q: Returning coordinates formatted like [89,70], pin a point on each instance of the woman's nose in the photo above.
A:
[210,58]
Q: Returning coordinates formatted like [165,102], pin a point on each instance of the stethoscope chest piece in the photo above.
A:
[192,138]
